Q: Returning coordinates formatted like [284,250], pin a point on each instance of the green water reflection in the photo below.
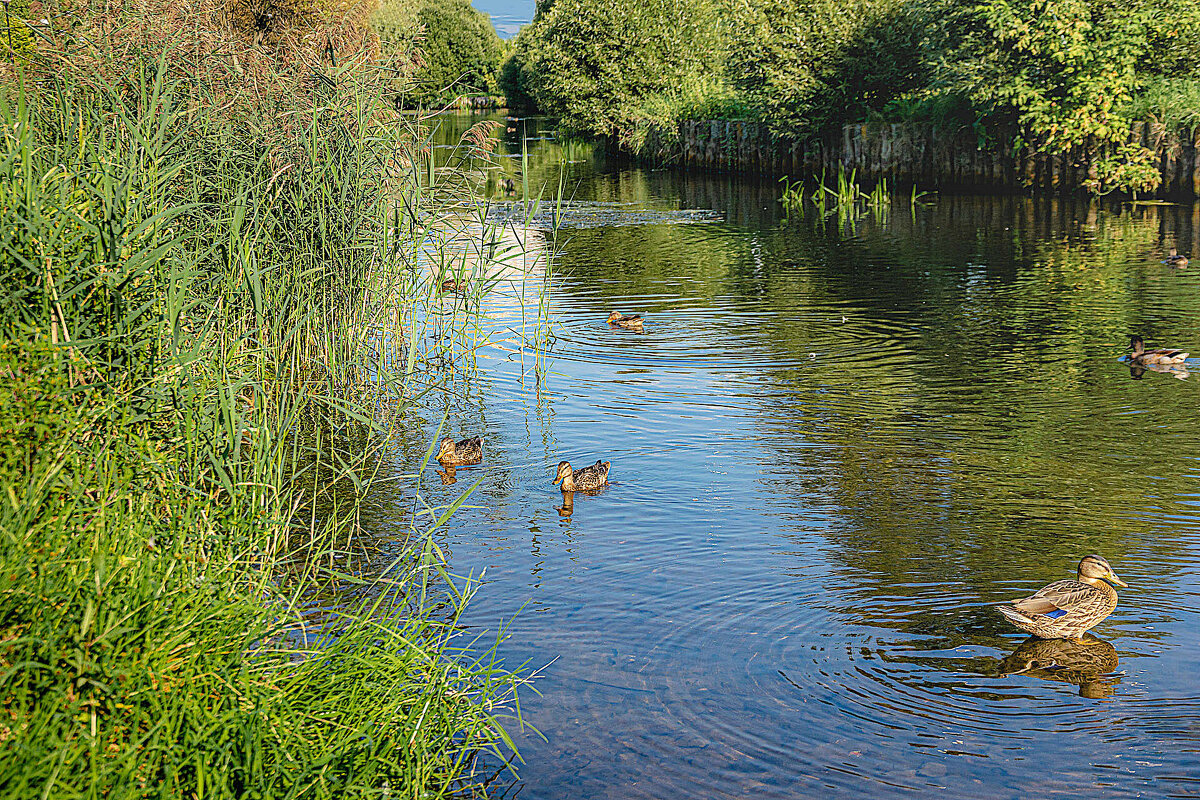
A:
[834,447]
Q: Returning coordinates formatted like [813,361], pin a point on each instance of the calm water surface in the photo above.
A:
[832,450]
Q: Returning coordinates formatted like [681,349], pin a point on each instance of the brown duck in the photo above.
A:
[618,319]
[1176,260]
[1141,355]
[468,451]
[592,477]
[1067,609]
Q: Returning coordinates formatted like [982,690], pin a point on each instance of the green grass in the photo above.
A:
[1173,101]
[198,332]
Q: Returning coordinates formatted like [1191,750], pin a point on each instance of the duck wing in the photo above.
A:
[1167,353]
[1063,597]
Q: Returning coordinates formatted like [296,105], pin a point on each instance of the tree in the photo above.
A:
[593,64]
[459,51]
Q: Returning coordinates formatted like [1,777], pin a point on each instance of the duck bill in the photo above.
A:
[1112,577]
[557,480]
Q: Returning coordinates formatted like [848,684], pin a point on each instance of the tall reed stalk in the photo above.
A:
[201,340]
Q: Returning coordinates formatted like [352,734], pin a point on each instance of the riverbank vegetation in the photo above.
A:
[207,228]
[452,49]
[1045,74]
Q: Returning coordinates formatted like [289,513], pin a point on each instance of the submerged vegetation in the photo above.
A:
[211,286]
[1050,75]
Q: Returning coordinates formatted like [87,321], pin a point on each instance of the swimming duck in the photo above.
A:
[1176,260]
[592,477]
[451,286]
[1066,609]
[633,322]
[1141,355]
[468,451]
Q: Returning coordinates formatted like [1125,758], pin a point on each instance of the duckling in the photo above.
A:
[1143,356]
[468,451]
[1067,609]
[1176,260]
[592,477]
[618,319]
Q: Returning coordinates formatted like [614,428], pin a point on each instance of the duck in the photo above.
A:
[1176,260]
[1067,609]
[451,286]
[592,477]
[1142,356]
[468,451]
[633,322]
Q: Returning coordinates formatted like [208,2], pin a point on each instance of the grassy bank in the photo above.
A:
[198,324]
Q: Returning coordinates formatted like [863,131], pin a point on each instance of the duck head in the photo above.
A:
[447,449]
[1137,344]
[566,475]
[616,316]
[1094,568]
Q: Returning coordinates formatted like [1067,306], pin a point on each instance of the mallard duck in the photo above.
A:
[1082,661]
[1143,356]
[451,286]
[1176,260]
[592,477]
[1066,609]
[468,451]
[633,322]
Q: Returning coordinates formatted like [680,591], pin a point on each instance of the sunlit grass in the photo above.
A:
[202,347]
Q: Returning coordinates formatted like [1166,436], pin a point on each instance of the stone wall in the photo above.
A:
[920,154]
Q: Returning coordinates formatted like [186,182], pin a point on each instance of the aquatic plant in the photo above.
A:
[201,348]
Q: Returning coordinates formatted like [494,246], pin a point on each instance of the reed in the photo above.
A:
[842,198]
[201,344]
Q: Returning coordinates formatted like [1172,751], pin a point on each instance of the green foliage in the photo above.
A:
[1130,168]
[457,54]
[594,65]
[183,334]
[16,37]
[1172,101]
[807,65]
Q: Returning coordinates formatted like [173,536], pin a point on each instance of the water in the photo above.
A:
[832,450]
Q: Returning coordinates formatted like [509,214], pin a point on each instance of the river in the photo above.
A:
[836,444]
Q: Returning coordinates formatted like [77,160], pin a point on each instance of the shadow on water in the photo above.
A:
[834,448]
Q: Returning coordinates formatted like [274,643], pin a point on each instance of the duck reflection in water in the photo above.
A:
[568,504]
[447,475]
[1138,371]
[1087,663]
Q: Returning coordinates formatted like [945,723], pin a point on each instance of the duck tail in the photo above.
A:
[1013,615]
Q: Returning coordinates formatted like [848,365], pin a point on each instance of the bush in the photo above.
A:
[454,48]
[810,65]
[594,65]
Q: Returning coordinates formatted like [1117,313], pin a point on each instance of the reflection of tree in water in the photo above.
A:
[969,420]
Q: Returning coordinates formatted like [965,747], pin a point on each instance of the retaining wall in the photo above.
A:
[921,154]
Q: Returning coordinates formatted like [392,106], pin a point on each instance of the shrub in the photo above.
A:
[594,65]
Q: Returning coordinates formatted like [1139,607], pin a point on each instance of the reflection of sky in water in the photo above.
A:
[507,15]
